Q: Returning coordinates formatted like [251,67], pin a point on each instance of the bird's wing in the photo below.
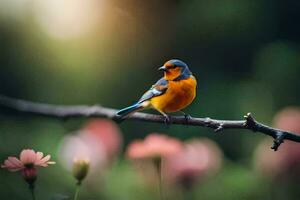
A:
[159,88]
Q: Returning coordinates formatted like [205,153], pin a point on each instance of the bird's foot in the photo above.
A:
[187,118]
[167,120]
[118,119]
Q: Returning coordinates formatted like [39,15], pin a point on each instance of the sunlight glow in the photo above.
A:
[68,18]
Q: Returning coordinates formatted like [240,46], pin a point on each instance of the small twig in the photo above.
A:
[219,128]
[63,112]
[278,140]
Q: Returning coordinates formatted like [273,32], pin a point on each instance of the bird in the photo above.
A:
[172,93]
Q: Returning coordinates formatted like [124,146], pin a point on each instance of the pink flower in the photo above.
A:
[197,160]
[153,146]
[288,119]
[74,147]
[106,133]
[28,159]
[285,162]
[148,155]
[98,141]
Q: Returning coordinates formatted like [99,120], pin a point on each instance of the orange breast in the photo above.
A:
[178,95]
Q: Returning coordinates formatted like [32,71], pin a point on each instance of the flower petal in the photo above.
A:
[44,161]
[11,166]
[39,157]
[28,156]
[8,164]
[16,162]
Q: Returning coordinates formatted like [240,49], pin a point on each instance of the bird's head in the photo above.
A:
[175,70]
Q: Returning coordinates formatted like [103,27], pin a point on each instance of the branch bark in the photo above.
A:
[63,112]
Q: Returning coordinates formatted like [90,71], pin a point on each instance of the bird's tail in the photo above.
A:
[125,112]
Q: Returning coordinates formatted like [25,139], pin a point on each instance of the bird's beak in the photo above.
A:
[163,68]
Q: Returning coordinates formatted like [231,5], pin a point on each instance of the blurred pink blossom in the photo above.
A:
[198,159]
[286,161]
[153,146]
[105,132]
[148,156]
[98,141]
[74,148]
[288,119]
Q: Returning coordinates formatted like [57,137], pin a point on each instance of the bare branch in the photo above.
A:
[62,112]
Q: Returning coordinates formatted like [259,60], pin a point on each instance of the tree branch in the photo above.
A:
[63,112]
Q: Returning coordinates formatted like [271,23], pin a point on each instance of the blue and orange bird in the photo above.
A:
[175,91]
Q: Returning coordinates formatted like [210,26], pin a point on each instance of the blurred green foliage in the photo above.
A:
[244,53]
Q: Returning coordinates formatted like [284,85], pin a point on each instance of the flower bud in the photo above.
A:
[29,175]
[80,169]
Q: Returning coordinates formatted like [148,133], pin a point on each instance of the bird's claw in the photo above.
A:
[187,118]
[167,120]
